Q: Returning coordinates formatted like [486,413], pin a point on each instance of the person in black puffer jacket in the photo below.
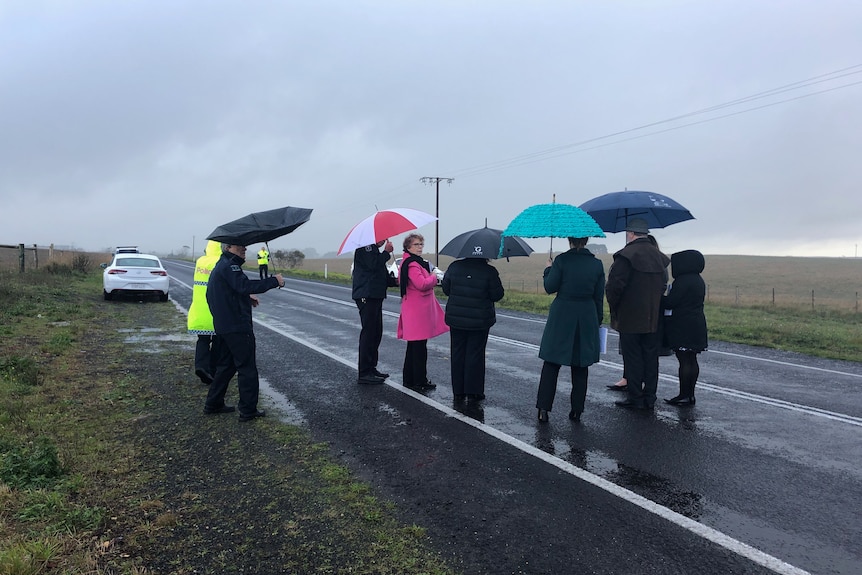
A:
[685,327]
[473,285]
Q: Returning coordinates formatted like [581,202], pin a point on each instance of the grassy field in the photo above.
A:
[836,283]
[831,327]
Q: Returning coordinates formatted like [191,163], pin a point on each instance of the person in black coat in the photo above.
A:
[230,296]
[370,280]
[473,285]
[685,327]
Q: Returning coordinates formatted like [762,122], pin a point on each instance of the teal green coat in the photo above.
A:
[578,279]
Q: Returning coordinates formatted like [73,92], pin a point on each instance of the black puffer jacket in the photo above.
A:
[473,285]
[685,328]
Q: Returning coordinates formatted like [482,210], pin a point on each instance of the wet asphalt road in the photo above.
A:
[763,475]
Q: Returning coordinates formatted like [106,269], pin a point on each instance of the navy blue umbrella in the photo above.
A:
[614,210]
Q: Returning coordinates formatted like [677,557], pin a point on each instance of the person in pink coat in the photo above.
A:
[421,315]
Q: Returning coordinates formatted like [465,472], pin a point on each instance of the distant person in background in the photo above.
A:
[571,335]
[634,289]
[421,315]
[370,280]
[263,262]
[473,285]
[685,327]
[200,320]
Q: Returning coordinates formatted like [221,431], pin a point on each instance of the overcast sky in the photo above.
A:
[151,122]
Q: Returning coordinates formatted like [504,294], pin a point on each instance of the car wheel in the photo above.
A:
[163,297]
[108,296]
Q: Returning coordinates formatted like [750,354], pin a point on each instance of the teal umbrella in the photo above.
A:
[553,221]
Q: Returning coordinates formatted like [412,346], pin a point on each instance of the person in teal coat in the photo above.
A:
[571,335]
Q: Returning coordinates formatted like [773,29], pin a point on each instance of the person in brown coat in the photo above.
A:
[634,288]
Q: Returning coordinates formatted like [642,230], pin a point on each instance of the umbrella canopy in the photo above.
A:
[261,227]
[485,243]
[614,210]
[554,221]
[382,225]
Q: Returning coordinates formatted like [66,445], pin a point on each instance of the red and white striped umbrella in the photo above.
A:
[382,225]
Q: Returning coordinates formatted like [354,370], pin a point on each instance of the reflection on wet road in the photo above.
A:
[767,460]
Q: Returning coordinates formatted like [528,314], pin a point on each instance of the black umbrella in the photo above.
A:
[261,227]
[485,243]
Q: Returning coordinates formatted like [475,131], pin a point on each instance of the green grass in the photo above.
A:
[821,330]
[101,471]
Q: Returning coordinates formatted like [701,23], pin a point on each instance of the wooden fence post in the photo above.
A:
[36,256]
[21,258]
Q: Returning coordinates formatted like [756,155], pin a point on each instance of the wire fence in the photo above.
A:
[785,295]
[28,258]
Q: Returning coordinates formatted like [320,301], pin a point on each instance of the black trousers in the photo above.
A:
[468,360]
[415,370]
[548,386]
[205,357]
[371,334]
[263,270]
[640,358]
[236,355]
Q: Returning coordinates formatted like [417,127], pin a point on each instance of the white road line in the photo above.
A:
[708,533]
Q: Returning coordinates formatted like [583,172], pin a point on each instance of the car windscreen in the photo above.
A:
[137,262]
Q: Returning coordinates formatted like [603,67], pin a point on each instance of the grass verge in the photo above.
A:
[108,466]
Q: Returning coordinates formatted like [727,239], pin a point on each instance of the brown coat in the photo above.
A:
[636,282]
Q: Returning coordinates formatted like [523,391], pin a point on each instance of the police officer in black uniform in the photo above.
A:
[370,280]
[229,295]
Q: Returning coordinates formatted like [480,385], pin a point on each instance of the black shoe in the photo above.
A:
[222,409]
[370,379]
[379,373]
[250,416]
[628,403]
[679,400]
[459,396]
[543,415]
[615,387]
[205,377]
[575,415]
[422,386]
[475,396]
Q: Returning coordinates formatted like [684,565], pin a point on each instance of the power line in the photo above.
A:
[526,161]
[578,147]
[554,152]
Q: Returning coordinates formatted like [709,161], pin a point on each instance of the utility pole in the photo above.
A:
[436,180]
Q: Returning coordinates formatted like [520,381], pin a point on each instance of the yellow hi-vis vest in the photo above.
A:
[200,319]
[263,257]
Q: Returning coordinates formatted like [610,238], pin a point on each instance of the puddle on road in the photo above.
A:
[149,338]
[655,488]
[288,412]
[549,439]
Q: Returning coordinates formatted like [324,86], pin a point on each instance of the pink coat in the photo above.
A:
[421,315]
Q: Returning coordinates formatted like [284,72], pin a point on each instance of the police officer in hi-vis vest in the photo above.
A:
[263,262]
[200,321]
